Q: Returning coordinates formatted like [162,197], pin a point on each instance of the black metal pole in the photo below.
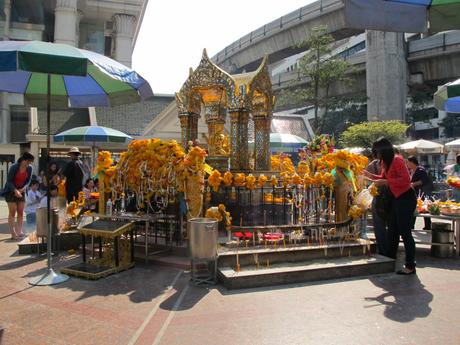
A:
[48,198]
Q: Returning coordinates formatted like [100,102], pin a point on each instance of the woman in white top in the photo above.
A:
[89,188]
[32,201]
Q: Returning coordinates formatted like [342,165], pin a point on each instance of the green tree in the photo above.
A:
[451,124]
[321,70]
[344,113]
[365,133]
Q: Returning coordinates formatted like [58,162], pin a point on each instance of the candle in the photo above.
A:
[237,256]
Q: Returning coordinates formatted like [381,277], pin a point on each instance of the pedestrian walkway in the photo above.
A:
[153,304]
[3,210]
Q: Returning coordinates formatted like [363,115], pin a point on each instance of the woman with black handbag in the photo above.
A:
[396,176]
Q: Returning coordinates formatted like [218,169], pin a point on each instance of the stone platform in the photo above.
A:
[285,265]
[307,271]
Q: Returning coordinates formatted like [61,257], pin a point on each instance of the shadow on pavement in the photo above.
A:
[20,263]
[140,284]
[191,297]
[405,299]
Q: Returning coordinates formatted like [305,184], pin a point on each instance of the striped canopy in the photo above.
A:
[442,14]
[79,78]
[447,98]
[93,135]
[403,15]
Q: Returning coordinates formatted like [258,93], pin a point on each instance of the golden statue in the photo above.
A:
[218,144]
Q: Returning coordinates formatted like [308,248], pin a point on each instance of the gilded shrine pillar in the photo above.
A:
[189,127]
[234,154]
[243,148]
[239,150]
[262,123]
[218,146]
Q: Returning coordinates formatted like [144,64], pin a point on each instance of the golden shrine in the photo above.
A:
[244,97]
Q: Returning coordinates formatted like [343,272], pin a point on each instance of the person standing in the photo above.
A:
[19,177]
[454,170]
[422,184]
[380,224]
[32,201]
[396,176]
[74,174]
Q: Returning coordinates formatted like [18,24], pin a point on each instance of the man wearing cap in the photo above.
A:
[74,173]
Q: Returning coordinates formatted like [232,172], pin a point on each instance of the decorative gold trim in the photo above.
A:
[106,234]
[95,276]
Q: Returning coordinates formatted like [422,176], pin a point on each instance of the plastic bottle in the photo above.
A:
[108,207]
[123,207]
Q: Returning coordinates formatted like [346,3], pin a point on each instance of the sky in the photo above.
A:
[174,33]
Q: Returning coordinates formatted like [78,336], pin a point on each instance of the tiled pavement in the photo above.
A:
[157,305]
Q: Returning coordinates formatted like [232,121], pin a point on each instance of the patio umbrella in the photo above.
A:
[48,72]
[453,145]
[422,146]
[403,15]
[447,98]
[92,135]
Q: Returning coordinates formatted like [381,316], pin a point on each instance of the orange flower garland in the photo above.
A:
[262,180]
[240,180]
[228,178]
[251,182]
[215,180]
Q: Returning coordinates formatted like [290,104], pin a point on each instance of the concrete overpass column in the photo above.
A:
[386,76]
[65,22]
[124,33]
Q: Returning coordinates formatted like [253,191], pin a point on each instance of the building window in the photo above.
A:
[27,11]
[108,46]
[19,123]
[92,37]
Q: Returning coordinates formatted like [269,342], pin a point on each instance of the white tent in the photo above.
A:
[453,145]
[422,147]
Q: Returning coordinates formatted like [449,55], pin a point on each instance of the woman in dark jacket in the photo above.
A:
[18,179]
[396,176]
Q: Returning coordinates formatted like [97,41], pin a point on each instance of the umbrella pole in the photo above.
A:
[50,277]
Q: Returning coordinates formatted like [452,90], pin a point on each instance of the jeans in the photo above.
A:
[401,225]
[380,231]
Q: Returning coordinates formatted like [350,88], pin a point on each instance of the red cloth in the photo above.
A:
[20,179]
[398,176]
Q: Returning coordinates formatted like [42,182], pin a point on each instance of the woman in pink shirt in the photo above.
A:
[396,176]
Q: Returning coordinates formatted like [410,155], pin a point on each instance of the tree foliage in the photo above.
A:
[365,133]
[451,124]
[321,69]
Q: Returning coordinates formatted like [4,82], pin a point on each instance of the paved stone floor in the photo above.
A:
[157,305]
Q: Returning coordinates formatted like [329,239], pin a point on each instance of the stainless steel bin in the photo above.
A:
[42,220]
[442,240]
[203,235]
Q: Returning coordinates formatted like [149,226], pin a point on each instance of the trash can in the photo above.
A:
[203,235]
[42,221]
[442,240]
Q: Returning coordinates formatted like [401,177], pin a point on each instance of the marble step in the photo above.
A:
[306,271]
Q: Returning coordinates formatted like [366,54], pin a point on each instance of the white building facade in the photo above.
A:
[108,27]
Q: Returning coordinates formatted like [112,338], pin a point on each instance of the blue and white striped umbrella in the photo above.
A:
[92,135]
